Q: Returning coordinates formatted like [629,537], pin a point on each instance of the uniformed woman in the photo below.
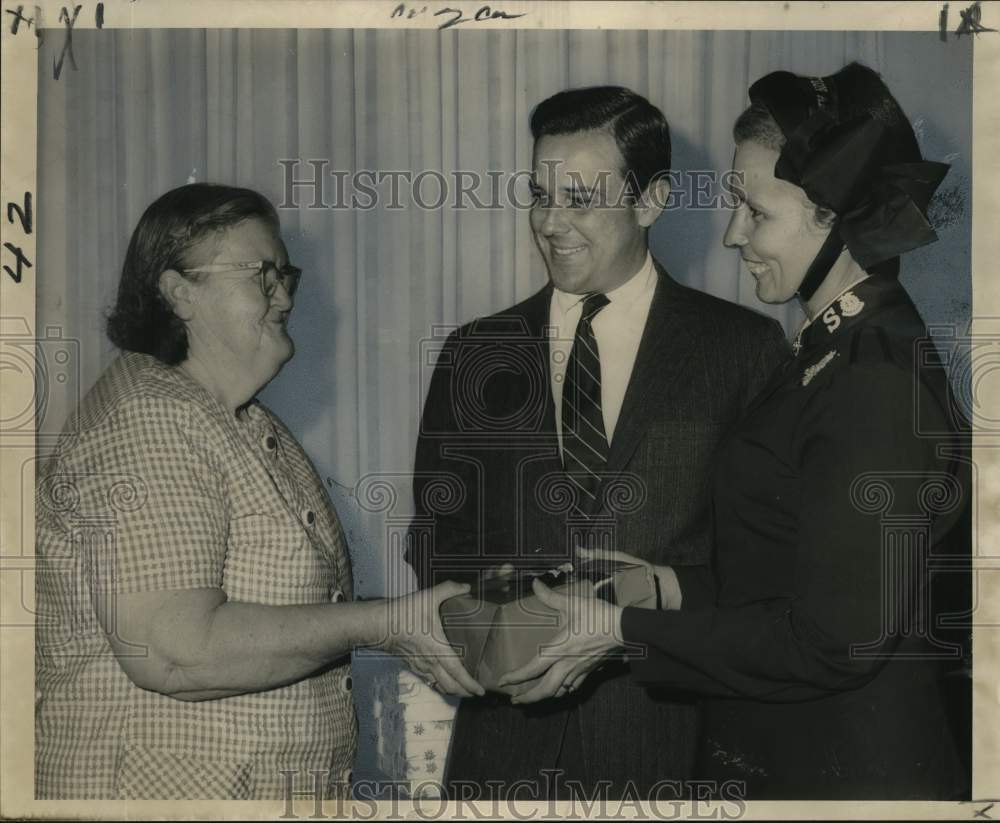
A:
[813,637]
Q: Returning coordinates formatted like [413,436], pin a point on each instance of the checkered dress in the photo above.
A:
[154,487]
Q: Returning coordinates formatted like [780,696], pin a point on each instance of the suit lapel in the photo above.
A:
[536,315]
[664,356]
[664,353]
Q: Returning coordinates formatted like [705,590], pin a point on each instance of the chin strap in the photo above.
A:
[821,264]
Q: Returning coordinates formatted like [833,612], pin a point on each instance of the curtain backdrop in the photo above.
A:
[147,109]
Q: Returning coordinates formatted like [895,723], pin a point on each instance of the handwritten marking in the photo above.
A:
[30,22]
[18,19]
[454,21]
[35,23]
[971,18]
[943,24]
[983,812]
[26,219]
[67,48]
[486,13]
[22,262]
[401,10]
[23,215]
[483,14]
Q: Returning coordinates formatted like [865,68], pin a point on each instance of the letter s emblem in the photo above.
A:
[832,319]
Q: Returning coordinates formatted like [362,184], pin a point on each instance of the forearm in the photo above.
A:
[230,648]
[765,651]
[692,587]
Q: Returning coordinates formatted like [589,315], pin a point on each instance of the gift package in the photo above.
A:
[501,624]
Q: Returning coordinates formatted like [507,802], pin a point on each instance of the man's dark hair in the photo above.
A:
[142,320]
[639,127]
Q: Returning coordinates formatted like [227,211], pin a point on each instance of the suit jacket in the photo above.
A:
[489,488]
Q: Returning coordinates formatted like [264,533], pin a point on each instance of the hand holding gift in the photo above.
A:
[590,631]
[507,620]
[413,631]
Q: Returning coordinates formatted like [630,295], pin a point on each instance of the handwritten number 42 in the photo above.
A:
[25,218]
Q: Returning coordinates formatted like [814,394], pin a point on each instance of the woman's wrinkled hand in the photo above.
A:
[413,631]
[590,631]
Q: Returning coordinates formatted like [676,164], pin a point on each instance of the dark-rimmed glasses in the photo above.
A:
[268,271]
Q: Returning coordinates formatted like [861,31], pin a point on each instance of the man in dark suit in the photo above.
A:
[587,415]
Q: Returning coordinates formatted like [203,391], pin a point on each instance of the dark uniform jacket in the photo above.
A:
[816,638]
[490,488]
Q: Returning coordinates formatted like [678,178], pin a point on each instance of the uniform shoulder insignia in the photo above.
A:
[816,367]
[850,304]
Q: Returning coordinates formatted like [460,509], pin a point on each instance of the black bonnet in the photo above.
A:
[851,148]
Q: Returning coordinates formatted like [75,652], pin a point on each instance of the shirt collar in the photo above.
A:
[625,294]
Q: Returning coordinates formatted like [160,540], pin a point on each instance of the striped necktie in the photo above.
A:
[585,444]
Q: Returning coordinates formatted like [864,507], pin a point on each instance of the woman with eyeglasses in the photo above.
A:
[195,611]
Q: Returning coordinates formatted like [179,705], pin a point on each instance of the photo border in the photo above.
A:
[18,173]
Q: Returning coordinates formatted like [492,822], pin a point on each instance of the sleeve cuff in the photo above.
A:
[645,661]
[697,585]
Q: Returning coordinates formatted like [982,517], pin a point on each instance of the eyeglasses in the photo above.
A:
[269,273]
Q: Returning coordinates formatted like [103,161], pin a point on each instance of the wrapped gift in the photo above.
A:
[501,625]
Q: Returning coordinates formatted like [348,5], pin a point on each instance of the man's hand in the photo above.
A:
[591,629]
[413,631]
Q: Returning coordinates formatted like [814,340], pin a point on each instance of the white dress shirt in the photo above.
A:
[617,328]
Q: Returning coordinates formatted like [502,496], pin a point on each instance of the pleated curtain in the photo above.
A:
[147,110]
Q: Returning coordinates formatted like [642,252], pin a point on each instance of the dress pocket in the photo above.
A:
[270,559]
[154,774]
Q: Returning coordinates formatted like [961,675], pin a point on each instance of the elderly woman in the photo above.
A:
[812,639]
[195,612]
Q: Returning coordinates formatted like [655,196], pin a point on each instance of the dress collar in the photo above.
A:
[850,307]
